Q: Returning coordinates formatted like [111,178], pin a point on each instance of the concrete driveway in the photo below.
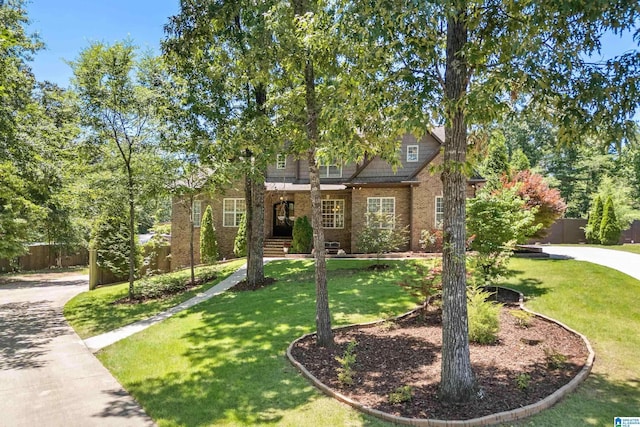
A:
[625,262]
[47,374]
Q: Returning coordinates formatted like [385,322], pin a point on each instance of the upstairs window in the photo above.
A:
[412,153]
[281,161]
[330,171]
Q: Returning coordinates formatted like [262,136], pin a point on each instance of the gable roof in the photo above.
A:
[438,135]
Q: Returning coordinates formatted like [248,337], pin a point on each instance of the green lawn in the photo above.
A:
[222,362]
[92,313]
[627,247]
[603,305]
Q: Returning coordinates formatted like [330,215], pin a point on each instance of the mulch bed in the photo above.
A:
[160,294]
[510,374]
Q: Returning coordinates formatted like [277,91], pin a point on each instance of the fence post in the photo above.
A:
[93,269]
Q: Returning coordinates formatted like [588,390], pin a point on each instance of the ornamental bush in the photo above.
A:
[610,228]
[484,316]
[302,236]
[208,241]
[110,239]
[592,230]
[376,240]
[545,202]
[240,242]
[497,221]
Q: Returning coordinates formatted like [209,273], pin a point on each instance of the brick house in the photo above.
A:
[413,194]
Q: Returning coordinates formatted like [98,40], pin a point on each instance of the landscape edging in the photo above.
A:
[500,417]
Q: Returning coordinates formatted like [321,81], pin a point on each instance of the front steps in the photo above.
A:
[273,247]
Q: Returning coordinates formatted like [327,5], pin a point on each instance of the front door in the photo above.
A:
[283,217]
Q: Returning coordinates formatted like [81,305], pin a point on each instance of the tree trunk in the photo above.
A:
[323,316]
[248,215]
[255,238]
[192,260]
[132,235]
[255,243]
[458,382]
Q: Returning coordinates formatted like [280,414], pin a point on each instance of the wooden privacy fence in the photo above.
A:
[161,262]
[42,256]
[571,230]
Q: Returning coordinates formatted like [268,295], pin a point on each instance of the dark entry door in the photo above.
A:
[283,219]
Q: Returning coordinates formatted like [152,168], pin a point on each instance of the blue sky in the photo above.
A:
[68,26]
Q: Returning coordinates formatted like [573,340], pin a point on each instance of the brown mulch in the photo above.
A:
[242,286]
[407,352]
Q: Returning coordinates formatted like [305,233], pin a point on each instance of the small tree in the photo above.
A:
[240,242]
[380,235]
[302,236]
[519,161]
[497,160]
[208,242]
[497,220]
[547,202]
[592,230]
[111,237]
[609,229]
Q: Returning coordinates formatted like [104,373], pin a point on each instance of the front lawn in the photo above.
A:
[222,362]
[603,305]
[93,312]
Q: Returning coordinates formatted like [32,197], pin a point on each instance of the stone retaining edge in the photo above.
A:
[500,417]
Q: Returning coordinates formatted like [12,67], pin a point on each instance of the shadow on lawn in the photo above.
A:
[596,402]
[238,370]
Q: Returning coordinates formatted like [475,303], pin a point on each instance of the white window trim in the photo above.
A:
[281,161]
[393,224]
[324,170]
[235,211]
[196,214]
[417,147]
[438,224]
[334,214]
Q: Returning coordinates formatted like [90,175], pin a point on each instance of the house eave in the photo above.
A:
[388,184]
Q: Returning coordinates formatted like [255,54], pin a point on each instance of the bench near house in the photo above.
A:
[413,194]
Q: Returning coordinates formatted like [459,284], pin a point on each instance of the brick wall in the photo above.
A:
[424,203]
[359,208]
[180,228]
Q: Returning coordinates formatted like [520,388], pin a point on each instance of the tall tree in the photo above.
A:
[51,126]
[189,181]
[119,100]
[19,210]
[465,63]
[223,50]
[329,108]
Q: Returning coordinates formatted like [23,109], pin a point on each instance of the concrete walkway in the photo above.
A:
[100,341]
[625,262]
[48,377]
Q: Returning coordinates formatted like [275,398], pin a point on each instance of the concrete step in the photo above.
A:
[273,247]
